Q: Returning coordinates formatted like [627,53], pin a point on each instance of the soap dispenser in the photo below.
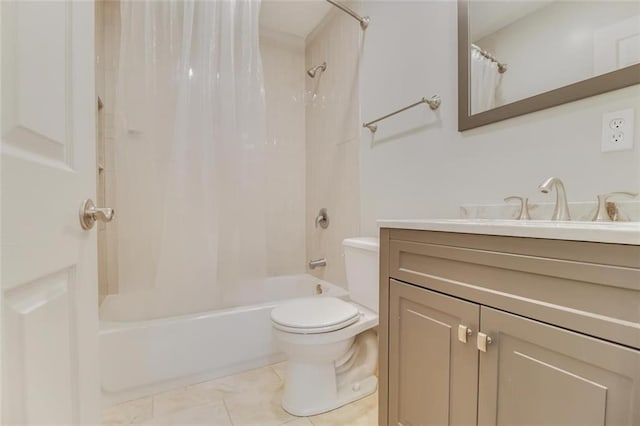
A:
[602,213]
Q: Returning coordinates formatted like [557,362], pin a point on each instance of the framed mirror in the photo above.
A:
[521,56]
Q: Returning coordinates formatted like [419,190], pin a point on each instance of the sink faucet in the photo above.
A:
[561,211]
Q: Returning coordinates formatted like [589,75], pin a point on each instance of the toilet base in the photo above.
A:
[344,396]
[328,370]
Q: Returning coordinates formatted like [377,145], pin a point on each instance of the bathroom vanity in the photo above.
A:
[507,322]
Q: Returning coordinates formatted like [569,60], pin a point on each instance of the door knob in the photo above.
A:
[89,214]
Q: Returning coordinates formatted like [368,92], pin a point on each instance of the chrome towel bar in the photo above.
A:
[433,102]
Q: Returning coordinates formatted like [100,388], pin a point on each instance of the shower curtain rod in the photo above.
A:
[502,68]
[364,20]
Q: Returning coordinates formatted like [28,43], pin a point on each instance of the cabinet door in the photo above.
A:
[537,374]
[432,374]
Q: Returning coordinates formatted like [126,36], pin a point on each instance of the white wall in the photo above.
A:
[420,166]
[333,142]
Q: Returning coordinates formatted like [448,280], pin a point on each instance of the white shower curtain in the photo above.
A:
[484,82]
[189,155]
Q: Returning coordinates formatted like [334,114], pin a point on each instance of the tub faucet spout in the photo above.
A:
[561,211]
[317,263]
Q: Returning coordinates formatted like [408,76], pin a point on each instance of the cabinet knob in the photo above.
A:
[463,333]
[483,341]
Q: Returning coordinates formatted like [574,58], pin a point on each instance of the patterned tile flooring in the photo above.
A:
[251,398]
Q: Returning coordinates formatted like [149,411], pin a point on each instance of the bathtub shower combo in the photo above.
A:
[193,261]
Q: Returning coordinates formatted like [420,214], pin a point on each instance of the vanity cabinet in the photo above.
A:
[561,322]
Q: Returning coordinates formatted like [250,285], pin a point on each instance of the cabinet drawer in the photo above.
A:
[588,287]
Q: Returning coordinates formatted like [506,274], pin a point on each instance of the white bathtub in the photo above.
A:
[140,358]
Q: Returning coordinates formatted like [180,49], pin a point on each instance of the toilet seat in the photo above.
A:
[314,315]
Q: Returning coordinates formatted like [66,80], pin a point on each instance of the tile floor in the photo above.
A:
[249,398]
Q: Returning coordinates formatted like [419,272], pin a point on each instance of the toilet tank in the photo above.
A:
[361,264]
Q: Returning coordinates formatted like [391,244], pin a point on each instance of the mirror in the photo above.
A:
[517,57]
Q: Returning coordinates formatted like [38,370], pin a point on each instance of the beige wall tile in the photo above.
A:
[332,128]
[111,234]
[107,47]
[100,148]
[284,81]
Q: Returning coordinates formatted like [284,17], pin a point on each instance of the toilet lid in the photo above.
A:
[314,315]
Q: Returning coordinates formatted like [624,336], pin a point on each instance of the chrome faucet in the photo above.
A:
[607,211]
[561,211]
[524,206]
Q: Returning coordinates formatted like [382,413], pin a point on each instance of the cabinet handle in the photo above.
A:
[483,341]
[463,333]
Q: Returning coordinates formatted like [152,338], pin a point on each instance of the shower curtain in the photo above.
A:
[484,82]
[189,155]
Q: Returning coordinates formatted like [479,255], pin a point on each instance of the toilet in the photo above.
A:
[330,344]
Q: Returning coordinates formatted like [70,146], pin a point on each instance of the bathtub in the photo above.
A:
[140,358]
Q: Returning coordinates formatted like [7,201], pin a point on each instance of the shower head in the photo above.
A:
[311,72]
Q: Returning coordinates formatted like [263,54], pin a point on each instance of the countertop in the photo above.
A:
[601,232]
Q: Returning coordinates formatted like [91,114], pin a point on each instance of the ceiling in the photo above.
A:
[293,17]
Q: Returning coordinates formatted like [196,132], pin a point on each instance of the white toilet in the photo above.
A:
[331,348]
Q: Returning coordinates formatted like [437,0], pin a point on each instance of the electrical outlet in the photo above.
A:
[616,123]
[617,130]
[617,138]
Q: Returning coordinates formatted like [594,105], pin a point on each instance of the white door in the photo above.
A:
[49,280]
